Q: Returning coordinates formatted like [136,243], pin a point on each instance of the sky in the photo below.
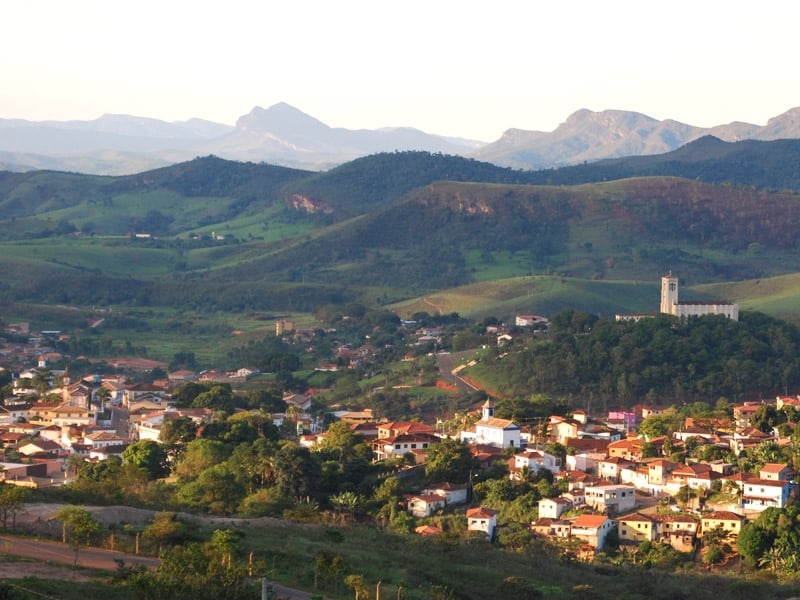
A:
[465,69]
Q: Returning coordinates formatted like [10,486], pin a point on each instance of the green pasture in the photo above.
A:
[496,265]
[540,294]
[108,255]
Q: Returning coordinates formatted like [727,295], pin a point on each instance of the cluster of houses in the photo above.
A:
[97,417]
[609,474]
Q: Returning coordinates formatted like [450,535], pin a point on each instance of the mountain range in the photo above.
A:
[283,135]
[218,235]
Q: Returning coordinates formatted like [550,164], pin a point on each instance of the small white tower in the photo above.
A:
[669,293]
[487,411]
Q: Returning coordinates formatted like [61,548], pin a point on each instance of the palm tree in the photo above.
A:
[103,394]
[75,463]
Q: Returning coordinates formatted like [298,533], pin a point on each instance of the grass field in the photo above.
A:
[542,294]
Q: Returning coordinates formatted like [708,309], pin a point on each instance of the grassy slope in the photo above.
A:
[776,296]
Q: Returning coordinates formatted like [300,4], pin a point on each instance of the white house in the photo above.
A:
[421,506]
[611,468]
[452,493]
[610,499]
[584,461]
[482,519]
[402,444]
[593,529]
[529,320]
[553,508]
[103,439]
[535,460]
[760,494]
[637,475]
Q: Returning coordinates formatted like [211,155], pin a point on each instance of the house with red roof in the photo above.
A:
[483,520]
[611,468]
[760,494]
[395,428]
[776,472]
[592,529]
[679,531]
[428,530]
[730,522]
[451,492]
[401,444]
[553,508]
[551,527]
[424,505]
[695,476]
[637,527]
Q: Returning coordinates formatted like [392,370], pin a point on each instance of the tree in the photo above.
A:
[199,455]
[78,527]
[194,572]
[347,503]
[180,430]
[218,397]
[331,564]
[752,543]
[223,544]
[295,470]
[449,460]
[12,498]
[341,442]
[149,456]
[75,463]
[165,528]
[217,490]
[359,585]
[266,400]
[684,495]
[655,426]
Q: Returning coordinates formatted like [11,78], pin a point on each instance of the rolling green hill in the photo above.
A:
[214,235]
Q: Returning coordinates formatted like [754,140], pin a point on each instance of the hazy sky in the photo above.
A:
[461,68]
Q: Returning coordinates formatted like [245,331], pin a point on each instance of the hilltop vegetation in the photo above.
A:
[213,235]
[596,364]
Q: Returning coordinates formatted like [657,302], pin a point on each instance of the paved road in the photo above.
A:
[100,558]
[447,361]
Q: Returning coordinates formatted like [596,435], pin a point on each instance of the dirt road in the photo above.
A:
[94,558]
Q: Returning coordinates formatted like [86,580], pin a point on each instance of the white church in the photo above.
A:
[493,431]
[670,305]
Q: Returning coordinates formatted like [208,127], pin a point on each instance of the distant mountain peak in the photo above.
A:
[280,119]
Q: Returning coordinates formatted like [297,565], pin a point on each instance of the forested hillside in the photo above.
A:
[602,364]
[218,235]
